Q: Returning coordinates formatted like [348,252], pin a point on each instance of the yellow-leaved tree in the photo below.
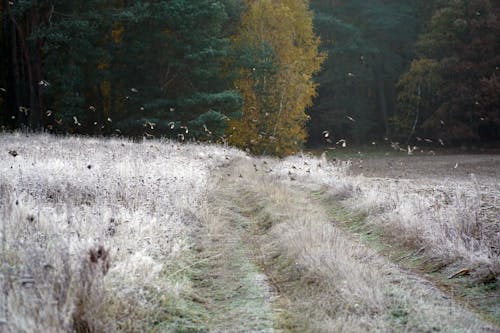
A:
[278,55]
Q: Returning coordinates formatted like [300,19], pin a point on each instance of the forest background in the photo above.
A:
[267,76]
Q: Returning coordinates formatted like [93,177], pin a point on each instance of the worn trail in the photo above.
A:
[271,259]
[236,292]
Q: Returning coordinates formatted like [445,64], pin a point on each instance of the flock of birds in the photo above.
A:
[148,125]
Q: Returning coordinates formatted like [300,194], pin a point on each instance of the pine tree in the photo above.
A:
[134,67]
[167,69]
[369,44]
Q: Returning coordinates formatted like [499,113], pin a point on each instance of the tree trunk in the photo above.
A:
[24,69]
[415,122]
[382,97]
[13,70]
[383,103]
[35,70]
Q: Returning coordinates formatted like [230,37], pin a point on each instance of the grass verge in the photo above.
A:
[481,296]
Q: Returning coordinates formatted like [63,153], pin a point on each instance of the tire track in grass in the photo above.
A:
[271,259]
[234,290]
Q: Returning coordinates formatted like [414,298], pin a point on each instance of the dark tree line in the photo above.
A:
[451,91]
[407,70]
[100,67]
[174,68]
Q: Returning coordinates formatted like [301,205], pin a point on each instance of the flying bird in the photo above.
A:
[24,110]
[411,149]
[75,120]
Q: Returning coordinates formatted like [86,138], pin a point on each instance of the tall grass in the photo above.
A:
[92,228]
[96,236]
[447,220]
[454,221]
[328,281]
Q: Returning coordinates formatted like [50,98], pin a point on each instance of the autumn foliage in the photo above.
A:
[451,89]
[246,71]
[277,58]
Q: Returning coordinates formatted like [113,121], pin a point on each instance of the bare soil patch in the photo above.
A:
[450,166]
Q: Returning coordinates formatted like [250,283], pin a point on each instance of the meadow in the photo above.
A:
[111,235]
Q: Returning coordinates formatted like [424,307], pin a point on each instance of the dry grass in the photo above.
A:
[454,221]
[91,230]
[446,220]
[232,286]
[107,235]
[328,280]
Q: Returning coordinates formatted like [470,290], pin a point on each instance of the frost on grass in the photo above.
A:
[329,281]
[95,234]
[450,220]
[455,221]
[91,230]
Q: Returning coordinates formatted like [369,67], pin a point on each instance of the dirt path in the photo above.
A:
[271,259]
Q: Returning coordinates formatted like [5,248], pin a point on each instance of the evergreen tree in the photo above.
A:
[22,57]
[133,67]
[166,69]
[369,44]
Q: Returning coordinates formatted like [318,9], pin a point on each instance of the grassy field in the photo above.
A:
[108,235]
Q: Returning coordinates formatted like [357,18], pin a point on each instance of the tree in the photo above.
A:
[416,98]
[133,67]
[462,44]
[278,54]
[169,66]
[369,44]
[74,56]
[23,60]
